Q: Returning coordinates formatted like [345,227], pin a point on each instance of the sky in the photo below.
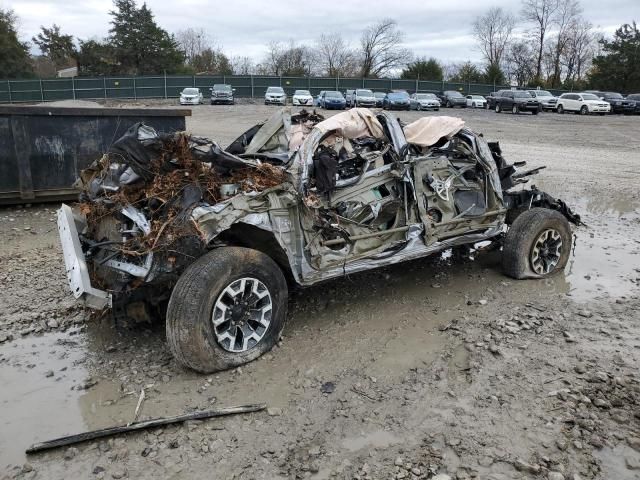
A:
[440,29]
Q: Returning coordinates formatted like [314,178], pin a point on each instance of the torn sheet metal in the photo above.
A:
[427,131]
[354,123]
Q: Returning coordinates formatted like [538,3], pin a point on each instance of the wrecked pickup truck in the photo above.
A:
[174,225]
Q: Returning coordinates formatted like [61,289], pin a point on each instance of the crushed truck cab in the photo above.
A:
[222,234]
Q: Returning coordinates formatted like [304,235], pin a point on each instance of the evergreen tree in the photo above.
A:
[618,68]
[54,45]
[467,73]
[96,58]
[139,45]
[493,75]
[423,69]
[14,54]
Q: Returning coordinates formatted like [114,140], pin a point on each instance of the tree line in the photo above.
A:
[547,43]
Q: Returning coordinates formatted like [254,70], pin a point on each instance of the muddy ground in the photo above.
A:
[437,366]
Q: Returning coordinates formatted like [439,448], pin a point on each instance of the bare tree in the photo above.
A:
[493,32]
[288,59]
[541,13]
[450,70]
[334,56]
[580,49]
[381,49]
[193,42]
[566,15]
[242,65]
[521,63]
[272,63]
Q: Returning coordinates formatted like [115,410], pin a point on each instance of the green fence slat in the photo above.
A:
[157,86]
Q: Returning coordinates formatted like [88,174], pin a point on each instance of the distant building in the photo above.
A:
[68,72]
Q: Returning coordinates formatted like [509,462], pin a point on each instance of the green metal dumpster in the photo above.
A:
[42,149]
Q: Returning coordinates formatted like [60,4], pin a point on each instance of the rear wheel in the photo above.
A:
[514,109]
[228,308]
[449,105]
[537,245]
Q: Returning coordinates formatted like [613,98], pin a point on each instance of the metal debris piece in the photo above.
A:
[156,422]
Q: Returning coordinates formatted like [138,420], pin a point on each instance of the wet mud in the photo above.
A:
[441,365]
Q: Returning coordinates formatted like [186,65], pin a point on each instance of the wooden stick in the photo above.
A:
[156,422]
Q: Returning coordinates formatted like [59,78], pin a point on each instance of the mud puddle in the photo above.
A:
[606,254]
[36,398]
[619,462]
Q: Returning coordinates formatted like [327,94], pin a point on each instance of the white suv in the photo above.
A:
[583,103]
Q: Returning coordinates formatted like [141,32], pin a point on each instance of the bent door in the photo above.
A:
[362,214]
[454,191]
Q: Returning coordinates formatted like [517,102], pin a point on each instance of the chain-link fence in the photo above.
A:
[246,86]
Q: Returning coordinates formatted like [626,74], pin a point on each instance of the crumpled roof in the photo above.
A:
[354,123]
[426,131]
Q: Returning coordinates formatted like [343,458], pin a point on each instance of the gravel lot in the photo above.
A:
[437,366]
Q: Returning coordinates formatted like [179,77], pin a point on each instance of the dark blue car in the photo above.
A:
[396,101]
[333,100]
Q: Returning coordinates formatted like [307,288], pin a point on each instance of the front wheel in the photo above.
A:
[537,245]
[560,109]
[515,110]
[584,110]
[498,109]
[228,308]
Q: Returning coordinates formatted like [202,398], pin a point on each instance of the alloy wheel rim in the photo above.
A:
[242,314]
[546,252]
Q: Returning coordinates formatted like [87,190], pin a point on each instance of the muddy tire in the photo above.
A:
[228,308]
[537,245]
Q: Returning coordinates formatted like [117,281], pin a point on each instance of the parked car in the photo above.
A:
[547,100]
[379,98]
[318,100]
[222,93]
[425,101]
[363,97]
[228,261]
[618,103]
[333,100]
[275,96]
[516,101]
[476,101]
[491,100]
[636,98]
[191,96]
[396,101]
[451,99]
[302,98]
[348,96]
[583,103]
